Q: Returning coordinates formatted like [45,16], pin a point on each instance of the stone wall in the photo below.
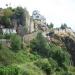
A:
[5,42]
[63,31]
[31,27]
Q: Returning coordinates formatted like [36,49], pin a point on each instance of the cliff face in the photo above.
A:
[70,45]
[67,40]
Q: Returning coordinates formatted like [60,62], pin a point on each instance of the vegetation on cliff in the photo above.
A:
[39,58]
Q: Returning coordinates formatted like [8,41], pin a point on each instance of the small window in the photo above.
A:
[37,16]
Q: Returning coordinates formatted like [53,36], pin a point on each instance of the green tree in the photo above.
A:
[8,12]
[63,26]
[40,45]
[16,42]
[6,21]
[51,25]
[6,18]
[20,15]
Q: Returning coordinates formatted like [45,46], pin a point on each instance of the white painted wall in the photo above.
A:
[8,31]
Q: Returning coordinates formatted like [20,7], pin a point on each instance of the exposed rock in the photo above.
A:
[70,45]
[65,40]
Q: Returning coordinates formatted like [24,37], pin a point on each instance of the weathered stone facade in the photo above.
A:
[31,27]
[30,23]
[39,20]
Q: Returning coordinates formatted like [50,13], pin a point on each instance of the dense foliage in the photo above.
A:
[16,42]
[39,58]
[40,45]
[6,18]
[51,25]
[52,52]
[13,17]
[63,26]
[8,71]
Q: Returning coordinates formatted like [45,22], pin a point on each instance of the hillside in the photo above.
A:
[39,57]
[35,48]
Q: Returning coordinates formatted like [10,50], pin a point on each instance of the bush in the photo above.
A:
[62,57]
[54,64]
[40,45]
[7,36]
[30,69]
[16,42]
[1,36]
[44,65]
[34,70]
[9,71]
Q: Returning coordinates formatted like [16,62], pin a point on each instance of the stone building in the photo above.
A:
[32,26]
[39,20]
[30,23]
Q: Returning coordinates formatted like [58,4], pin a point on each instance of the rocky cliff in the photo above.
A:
[66,40]
[70,45]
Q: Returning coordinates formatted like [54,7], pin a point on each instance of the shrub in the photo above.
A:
[44,65]
[16,42]
[40,45]
[30,69]
[9,71]
[1,36]
[54,64]
[7,36]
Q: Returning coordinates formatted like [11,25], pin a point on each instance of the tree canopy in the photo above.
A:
[63,26]
[13,13]
[51,25]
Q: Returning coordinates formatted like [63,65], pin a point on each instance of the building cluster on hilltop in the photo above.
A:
[33,23]
[39,20]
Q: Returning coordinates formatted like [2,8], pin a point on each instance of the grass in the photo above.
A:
[8,57]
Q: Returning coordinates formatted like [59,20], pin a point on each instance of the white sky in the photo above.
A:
[56,11]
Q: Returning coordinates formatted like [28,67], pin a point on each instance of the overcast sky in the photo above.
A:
[55,11]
